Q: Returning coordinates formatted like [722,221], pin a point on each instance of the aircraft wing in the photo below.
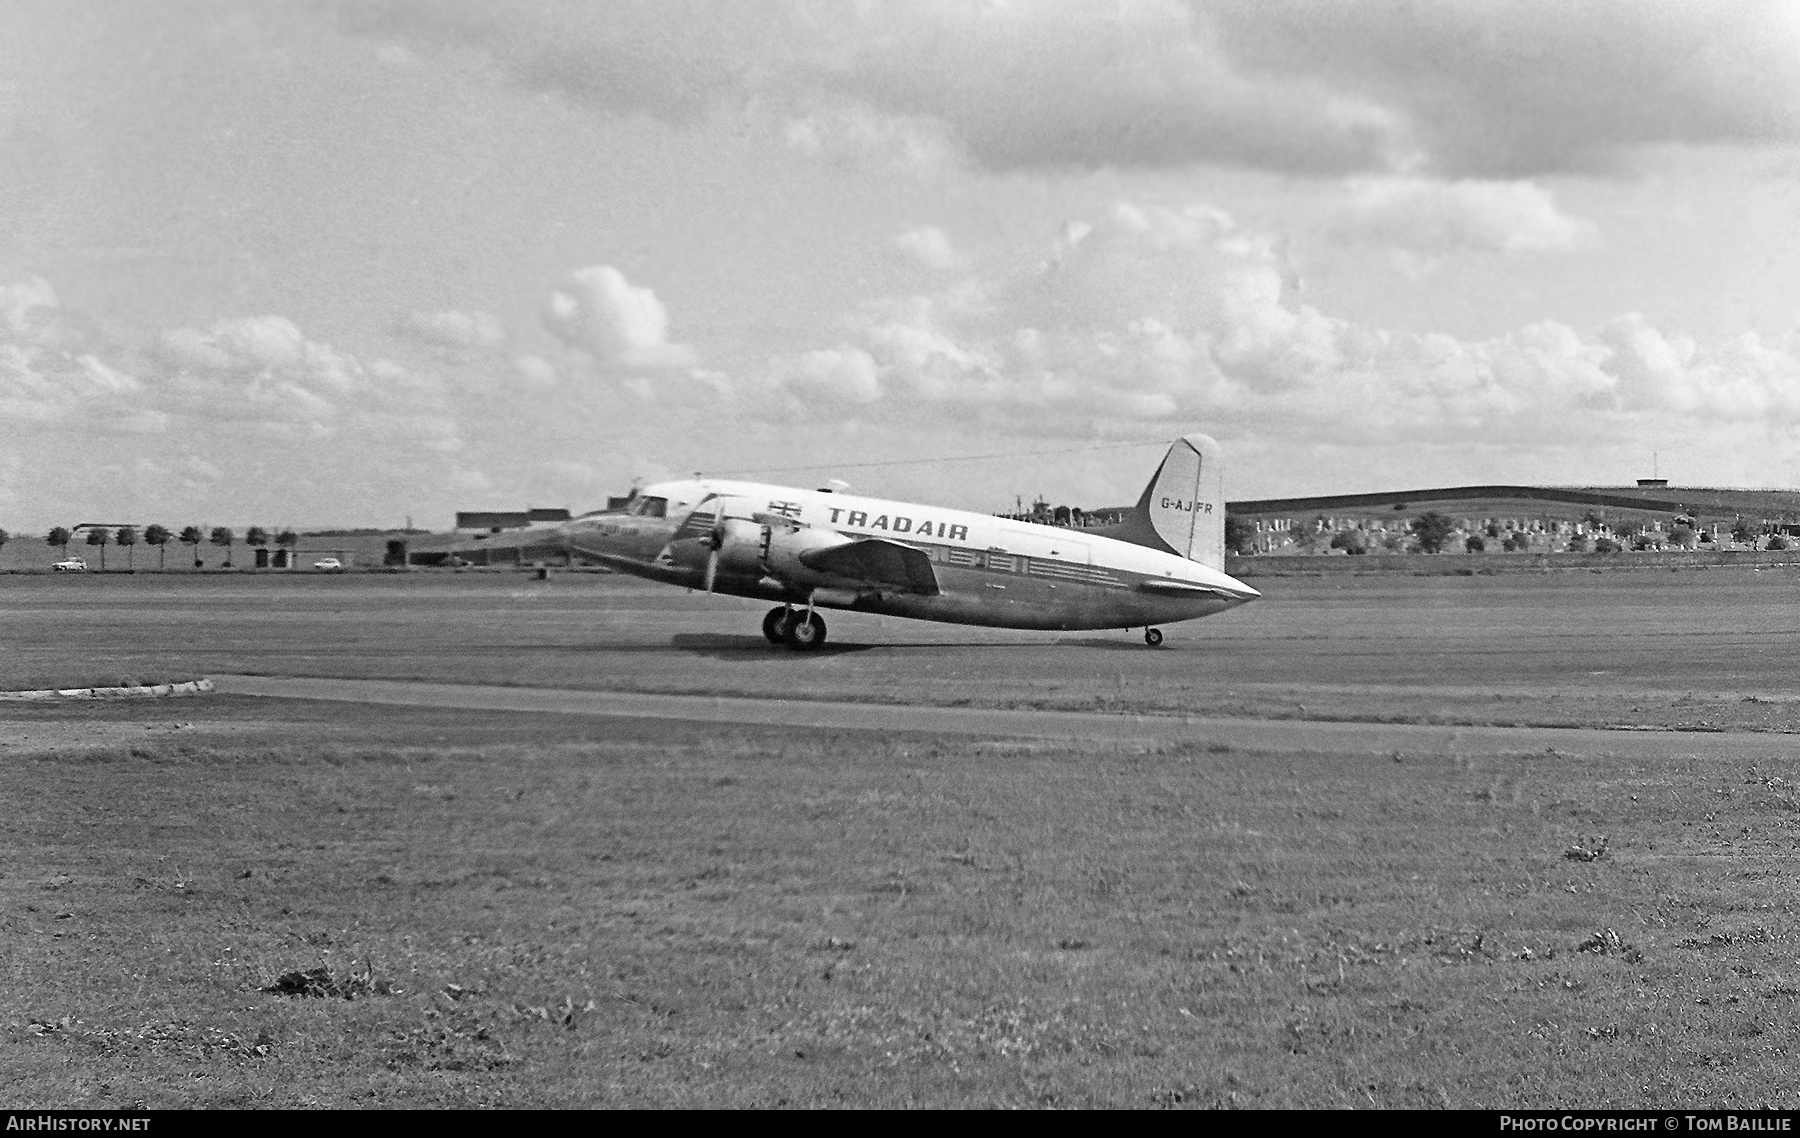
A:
[877,562]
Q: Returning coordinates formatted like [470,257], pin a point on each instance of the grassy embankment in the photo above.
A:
[737,918]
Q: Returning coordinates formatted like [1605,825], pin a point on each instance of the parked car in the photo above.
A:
[328,563]
[72,565]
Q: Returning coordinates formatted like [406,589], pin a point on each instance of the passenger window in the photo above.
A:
[654,508]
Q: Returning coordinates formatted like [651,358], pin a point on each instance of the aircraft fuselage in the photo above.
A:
[760,541]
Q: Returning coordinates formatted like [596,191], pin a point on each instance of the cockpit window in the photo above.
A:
[651,507]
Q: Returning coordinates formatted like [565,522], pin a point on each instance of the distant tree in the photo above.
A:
[1593,520]
[1431,530]
[1061,514]
[223,537]
[1578,543]
[128,537]
[256,537]
[1778,541]
[98,537]
[191,535]
[1743,532]
[1493,529]
[1682,534]
[1474,544]
[1240,534]
[1516,543]
[1607,545]
[157,535]
[1352,541]
[59,536]
[287,539]
[4,538]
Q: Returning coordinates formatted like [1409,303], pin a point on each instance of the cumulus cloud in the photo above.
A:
[1437,218]
[833,376]
[50,378]
[931,247]
[1174,318]
[536,372]
[27,308]
[56,388]
[465,330]
[261,370]
[601,313]
[1741,380]
[291,426]
[265,373]
[856,135]
[256,343]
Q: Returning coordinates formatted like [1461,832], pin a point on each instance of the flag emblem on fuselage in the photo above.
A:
[785,509]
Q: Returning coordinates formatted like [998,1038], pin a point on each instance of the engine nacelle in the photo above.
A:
[741,546]
[736,541]
[786,546]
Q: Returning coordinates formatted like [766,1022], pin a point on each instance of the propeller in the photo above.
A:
[715,539]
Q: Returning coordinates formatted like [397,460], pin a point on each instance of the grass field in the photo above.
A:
[533,914]
[515,911]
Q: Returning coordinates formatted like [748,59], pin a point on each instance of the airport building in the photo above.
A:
[499,521]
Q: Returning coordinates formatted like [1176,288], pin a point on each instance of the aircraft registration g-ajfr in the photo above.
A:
[808,550]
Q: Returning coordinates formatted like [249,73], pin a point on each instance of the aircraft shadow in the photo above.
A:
[727,646]
[1133,645]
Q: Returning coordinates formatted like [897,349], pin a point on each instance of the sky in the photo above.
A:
[318,263]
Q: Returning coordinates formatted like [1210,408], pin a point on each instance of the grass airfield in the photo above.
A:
[526,910]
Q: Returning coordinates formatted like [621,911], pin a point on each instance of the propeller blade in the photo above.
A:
[712,568]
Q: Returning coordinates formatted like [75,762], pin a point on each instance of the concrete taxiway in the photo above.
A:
[1237,733]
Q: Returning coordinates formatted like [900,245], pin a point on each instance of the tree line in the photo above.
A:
[129,537]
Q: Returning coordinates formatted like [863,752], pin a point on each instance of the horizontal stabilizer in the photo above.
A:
[876,562]
[1169,585]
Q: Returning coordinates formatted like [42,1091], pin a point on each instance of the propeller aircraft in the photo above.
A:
[807,550]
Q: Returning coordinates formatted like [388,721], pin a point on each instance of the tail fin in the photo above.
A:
[1182,510]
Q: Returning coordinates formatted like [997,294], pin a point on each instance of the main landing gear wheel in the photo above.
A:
[1153,637]
[774,625]
[805,633]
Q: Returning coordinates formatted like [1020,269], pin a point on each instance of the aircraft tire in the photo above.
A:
[1153,637]
[774,625]
[806,634]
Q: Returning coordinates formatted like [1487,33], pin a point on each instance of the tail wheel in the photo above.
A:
[1153,637]
[774,625]
[805,633]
